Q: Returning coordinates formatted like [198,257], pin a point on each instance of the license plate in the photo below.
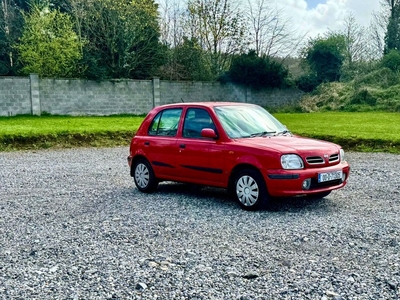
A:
[329,176]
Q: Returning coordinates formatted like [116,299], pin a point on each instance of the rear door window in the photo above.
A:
[165,123]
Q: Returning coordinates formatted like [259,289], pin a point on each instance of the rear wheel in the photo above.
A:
[250,190]
[144,176]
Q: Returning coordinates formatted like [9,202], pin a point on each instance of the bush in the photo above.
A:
[256,72]
[391,60]
[307,83]
[363,97]
[383,77]
[325,56]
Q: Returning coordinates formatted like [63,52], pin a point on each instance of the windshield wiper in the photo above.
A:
[284,132]
[264,133]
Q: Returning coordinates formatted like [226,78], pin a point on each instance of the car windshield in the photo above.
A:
[245,121]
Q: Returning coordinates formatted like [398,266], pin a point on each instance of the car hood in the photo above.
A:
[290,144]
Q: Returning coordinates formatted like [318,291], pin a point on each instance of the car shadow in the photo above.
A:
[297,204]
[220,197]
[208,195]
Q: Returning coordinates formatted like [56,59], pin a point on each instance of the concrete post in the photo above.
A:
[35,95]
[156,92]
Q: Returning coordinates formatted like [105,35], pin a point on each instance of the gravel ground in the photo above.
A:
[73,226]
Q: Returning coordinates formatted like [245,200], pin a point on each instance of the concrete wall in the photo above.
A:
[275,97]
[15,96]
[173,92]
[82,97]
[34,95]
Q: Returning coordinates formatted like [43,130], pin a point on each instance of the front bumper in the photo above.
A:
[289,183]
[129,158]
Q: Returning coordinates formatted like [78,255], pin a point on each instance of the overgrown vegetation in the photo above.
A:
[374,91]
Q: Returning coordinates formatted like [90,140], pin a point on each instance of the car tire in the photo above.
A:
[144,177]
[250,190]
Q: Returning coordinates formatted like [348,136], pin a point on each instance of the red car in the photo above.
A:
[237,146]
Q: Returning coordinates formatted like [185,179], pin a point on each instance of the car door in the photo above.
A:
[160,144]
[200,159]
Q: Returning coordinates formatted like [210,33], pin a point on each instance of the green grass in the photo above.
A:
[361,131]
[28,132]
[366,131]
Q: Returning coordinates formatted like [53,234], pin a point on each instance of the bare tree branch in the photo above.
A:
[272,33]
[219,27]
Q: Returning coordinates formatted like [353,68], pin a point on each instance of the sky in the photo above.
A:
[319,16]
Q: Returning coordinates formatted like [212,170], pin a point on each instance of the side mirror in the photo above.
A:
[208,133]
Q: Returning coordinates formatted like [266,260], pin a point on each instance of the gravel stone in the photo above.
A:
[73,226]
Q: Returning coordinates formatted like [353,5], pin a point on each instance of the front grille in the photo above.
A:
[318,160]
[315,160]
[334,158]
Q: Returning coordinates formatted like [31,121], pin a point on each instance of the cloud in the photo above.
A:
[328,15]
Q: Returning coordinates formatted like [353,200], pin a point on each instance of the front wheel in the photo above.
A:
[144,176]
[250,190]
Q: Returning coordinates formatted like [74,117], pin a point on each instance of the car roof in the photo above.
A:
[206,104]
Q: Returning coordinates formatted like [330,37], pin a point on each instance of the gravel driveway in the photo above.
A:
[73,226]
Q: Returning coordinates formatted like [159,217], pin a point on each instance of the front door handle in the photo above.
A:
[146,143]
[182,146]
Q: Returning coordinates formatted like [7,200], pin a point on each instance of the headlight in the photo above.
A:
[341,155]
[291,161]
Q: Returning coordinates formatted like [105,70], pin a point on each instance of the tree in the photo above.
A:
[171,17]
[189,62]
[123,38]
[48,46]
[271,32]
[377,29]
[359,52]
[11,22]
[24,5]
[325,56]
[391,60]
[172,36]
[219,27]
[257,72]
[392,37]
[355,40]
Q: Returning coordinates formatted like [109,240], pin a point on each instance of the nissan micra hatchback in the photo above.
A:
[237,146]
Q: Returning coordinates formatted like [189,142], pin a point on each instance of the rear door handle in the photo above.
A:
[146,143]
[182,146]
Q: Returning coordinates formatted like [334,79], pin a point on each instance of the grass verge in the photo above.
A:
[361,131]
[366,132]
[29,132]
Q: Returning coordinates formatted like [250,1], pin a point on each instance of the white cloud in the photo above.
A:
[327,15]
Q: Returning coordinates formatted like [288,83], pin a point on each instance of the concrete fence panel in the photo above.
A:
[15,96]
[34,95]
